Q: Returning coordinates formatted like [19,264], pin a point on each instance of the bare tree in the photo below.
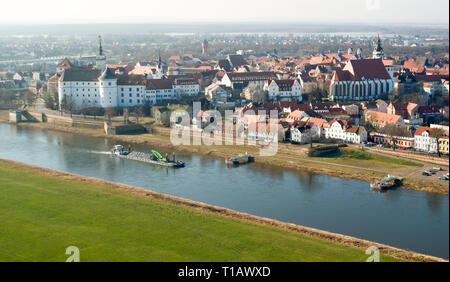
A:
[437,133]
[109,113]
[68,104]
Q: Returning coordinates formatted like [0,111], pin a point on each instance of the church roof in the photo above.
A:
[367,69]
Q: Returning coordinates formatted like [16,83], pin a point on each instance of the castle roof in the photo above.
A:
[107,74]
[80,75]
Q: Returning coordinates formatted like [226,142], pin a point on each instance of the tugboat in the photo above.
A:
[165,161]
[386,183]
[119,150]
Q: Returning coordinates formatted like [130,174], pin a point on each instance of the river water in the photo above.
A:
[402,218]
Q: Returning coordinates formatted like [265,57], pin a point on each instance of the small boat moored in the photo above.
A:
[240,160]
[387,183]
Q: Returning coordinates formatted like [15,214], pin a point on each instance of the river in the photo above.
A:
[403,218]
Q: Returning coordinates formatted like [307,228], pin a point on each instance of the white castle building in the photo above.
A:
[363,79]
[105,86]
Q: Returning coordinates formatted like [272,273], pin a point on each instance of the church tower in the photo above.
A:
[159,71]
[100,59]
[204,47]
[378,52]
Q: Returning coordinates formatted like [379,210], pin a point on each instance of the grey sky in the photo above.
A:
[149,11]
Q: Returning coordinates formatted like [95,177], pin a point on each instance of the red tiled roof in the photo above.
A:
[368,69]
[156,84]
[422,129]
[428,78]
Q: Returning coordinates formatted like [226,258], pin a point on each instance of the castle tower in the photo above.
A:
[100,59]
[378,52]
[108,89]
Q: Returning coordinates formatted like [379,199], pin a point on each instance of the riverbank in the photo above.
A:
[352,163]
[116,222]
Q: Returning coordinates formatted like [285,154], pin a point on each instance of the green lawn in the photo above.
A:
[358,155]
[40,216]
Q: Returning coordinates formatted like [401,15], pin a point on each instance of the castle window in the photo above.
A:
[109,83]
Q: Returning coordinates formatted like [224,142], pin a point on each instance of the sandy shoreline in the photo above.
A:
[338,238]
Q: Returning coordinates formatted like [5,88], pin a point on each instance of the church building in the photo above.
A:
[363,79]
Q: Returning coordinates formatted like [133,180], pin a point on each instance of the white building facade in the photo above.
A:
[423,141]
[290,90]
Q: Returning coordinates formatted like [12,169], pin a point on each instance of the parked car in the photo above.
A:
[425,173]
[438,168]
[444,178]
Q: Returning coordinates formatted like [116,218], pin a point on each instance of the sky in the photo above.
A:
[167,11]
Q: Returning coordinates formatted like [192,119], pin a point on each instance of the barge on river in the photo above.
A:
[155,158]
[240,160]
[386,183]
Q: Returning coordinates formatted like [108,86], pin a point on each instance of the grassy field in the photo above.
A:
[42,215]
[350,155]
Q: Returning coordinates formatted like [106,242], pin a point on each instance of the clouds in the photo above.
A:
[142,11]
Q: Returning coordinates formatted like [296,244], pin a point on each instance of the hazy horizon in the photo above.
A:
[50,12]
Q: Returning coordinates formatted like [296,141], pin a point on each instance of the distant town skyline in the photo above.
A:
[140,11]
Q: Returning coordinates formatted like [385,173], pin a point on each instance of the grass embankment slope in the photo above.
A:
[41,215]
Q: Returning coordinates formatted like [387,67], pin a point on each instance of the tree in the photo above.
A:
[138,112]
[109,113]
[394,131]
[437,133]
[68,104]
[257,94]
[49,101]
[6,96]
[317,94]
[165,119]
[206,104]
[28,97]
